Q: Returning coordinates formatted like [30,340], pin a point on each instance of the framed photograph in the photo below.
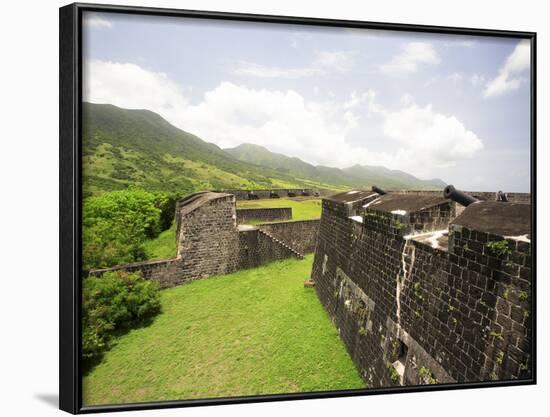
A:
[260,208]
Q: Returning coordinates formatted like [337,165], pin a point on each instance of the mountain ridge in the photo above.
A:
[138,148]
[356,175]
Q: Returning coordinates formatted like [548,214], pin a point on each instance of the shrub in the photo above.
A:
[426,376]
[498,248]
[111,304]
[400,226]
[394,375]
[166,203]
[116,224]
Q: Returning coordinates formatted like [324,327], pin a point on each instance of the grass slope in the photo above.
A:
[257,331]
[301,210]
[163,246]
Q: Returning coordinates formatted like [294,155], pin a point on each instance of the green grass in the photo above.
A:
[257,331]
[301,209]
[163,246]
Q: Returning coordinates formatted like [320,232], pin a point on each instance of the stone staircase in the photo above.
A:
[283,244]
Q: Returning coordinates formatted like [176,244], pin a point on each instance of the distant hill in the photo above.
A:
[138,147]
[123,148]
[361,176]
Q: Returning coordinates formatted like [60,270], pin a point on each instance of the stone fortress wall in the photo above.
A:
[210,242]
[265,194]
[422,290]
[268,214]
[425,291]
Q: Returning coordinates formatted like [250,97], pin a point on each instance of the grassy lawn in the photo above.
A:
[163,246]
[301,210]
[257,331]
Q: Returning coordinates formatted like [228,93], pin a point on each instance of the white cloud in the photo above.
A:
[511,74]
[424,139]
[460,43]
[455,77]
[283,121]
[340,61]
[325,62]
[477,80]
[420,139]
[433,80]
[260,71]
[431,137]
[355,100]
[412,56]
[406,100]
[132,87]
[95,21]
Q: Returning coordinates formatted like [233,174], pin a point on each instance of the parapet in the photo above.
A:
[427,217]
[257,194]
[502,219]
[422,295]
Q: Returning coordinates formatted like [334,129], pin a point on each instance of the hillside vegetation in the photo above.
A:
[117,225]
[228,336]
[358,176]
[139,148]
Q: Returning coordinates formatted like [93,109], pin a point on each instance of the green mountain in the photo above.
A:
[123,148]
[360,176]
[401,179]
[138,147]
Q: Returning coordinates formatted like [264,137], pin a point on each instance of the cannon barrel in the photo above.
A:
[458,196]
[502,197]
[378,190]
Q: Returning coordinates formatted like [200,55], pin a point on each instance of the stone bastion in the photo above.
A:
[210,241]
[423,290]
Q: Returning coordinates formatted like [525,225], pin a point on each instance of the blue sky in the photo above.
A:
[451,107]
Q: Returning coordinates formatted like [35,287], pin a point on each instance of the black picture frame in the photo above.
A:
[70,99]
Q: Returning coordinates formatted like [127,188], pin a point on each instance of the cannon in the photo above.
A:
[458,196]
[252,196]
[378,190]
[291,194]
[502,197]
[273,194]
[316,194]
[305,193]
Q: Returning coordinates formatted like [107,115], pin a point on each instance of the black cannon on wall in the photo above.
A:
[252,196]
[305,193]
[458,196]
[291,194]
[502,197]
[378,190]
[273,194]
